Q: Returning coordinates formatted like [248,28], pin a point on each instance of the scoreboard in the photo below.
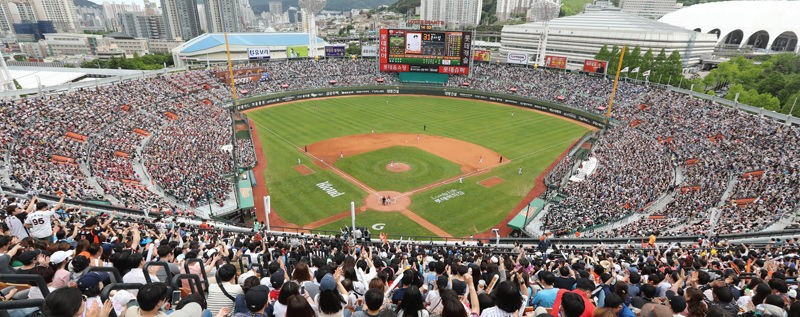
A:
[447,52]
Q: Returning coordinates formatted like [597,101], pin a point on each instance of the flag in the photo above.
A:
[646,73]
[635,70]
[624,70]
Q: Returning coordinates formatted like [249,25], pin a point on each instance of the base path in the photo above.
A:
[431,227]
[538,189]
[469,156]
[260,190]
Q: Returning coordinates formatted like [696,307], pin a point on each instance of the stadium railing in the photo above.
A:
[750,236]
[34,279]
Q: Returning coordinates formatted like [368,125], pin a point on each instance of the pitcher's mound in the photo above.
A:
[398,167]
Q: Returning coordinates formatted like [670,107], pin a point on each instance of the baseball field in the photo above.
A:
[411,164]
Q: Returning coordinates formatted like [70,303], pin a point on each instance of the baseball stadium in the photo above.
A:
[259,169]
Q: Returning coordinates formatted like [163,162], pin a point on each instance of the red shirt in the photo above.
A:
[588,310]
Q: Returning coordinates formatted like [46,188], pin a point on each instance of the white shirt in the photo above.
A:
[41,225]
[136,275]
[16,226]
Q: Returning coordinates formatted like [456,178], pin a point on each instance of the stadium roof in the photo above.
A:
[606,20]
[747,17]
[211,40]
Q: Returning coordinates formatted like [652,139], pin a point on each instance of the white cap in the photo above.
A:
[60,256]
[792,293]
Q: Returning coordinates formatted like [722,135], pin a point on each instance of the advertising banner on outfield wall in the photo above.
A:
[517,58]
[594,66]
[369,51]
[566,112]
[334,51]
[555,61]
[482,55]
[258,53]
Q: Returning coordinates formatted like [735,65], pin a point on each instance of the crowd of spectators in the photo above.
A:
[260,273]
[666,134]
[724,171]
[245,152]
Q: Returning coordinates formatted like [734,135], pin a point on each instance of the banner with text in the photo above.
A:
[258,53]
[334,51]
[482,55]
[369,51]
[517,58]
[594,66]
[555,61]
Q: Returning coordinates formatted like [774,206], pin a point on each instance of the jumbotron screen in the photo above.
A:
[446,52]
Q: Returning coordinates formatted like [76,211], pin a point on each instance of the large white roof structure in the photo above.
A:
[772,25]
[580,37]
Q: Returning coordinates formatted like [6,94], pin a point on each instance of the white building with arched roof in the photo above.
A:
[767,25]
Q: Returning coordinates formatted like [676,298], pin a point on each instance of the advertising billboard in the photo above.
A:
[297,51]
[369,51]
[594,66]
[258,53]
[555,61]
[425,51]
[482,55]
[334,51]
[517,58]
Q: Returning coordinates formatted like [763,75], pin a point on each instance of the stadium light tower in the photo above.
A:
[547,10]
[310,9]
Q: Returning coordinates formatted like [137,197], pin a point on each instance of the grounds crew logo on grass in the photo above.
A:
[450,194]
[329,189]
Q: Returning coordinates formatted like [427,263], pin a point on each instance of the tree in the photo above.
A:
[658,67]
[603,54]
[673,68]
[353,49]
[633,60]
[647,62]
[613,60]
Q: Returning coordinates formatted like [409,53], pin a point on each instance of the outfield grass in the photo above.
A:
[529,139]
[395,224]
[370,168]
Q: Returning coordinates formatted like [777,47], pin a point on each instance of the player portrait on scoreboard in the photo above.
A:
[413,43]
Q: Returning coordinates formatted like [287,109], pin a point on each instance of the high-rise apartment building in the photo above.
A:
[6,22]
[651,9]
[222,16]
[138,25]
[455,13]
[181,19]
[61,12]
[507,9]
[275,7]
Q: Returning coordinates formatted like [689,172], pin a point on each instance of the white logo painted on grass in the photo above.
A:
[450,194]
[379,226]
[329,189]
